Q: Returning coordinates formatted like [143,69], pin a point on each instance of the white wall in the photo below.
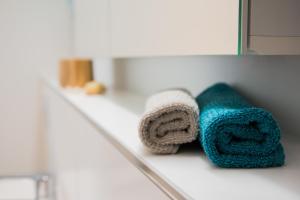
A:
[34,34]
[269,81]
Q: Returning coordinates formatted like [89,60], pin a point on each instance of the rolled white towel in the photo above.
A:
[170,119]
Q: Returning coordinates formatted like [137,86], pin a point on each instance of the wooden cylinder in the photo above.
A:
[75,72]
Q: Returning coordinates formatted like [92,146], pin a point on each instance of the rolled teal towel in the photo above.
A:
[236,134]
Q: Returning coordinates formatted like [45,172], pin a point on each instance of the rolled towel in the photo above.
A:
[170,119]
[235,134]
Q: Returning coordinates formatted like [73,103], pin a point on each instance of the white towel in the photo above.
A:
[170,119]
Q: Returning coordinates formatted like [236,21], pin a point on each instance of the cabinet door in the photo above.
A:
[274,27]
[104,173]
[174,27]
[85,165]
[91,28]
[62,145]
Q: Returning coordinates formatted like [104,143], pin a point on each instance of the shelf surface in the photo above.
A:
[187,174]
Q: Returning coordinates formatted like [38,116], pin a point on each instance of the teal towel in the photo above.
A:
[234,133]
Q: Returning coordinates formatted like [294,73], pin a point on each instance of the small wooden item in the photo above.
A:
[75,72]
[94,87]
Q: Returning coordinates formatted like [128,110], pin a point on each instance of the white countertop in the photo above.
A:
[187,174]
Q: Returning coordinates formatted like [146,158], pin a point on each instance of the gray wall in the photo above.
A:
[269,81]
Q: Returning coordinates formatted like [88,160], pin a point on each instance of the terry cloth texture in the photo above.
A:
[170,119]
[235,134]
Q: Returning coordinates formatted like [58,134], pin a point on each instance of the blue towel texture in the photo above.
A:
[234,133]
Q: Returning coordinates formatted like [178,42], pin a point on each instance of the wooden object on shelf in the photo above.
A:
[75,72]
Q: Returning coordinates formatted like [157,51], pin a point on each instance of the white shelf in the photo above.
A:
[188,174]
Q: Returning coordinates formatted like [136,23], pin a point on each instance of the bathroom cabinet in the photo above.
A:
[274,26]
[192,27]
[91,28]
[95,154]
[84,163]
[133,28]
